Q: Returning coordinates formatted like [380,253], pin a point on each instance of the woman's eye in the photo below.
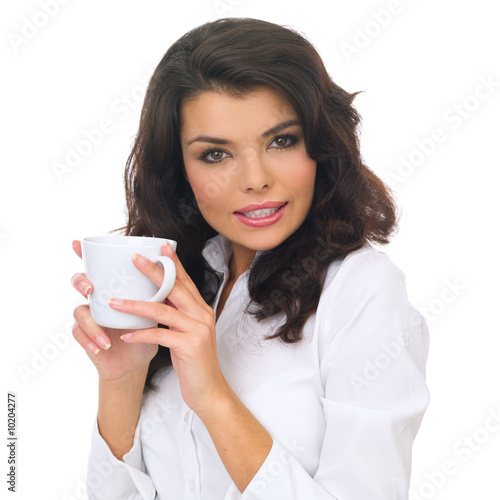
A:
[284,141]
[213,156]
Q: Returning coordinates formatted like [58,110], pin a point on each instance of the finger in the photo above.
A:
[156,274]
[84,340]
[149,269]
[77,247]
[95,333]
[161,313]
[181,275]
[178,296]
[82,284]
[160,336]
[183,300]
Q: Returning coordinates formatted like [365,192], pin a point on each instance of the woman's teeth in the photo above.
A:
[263,212]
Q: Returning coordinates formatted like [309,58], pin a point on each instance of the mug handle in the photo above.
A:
[168,278]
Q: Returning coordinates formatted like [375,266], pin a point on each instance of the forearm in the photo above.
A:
[241,441]
[119,409]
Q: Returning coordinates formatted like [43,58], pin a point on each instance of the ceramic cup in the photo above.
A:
[109,267]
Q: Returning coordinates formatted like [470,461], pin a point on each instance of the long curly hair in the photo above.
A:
[350,206]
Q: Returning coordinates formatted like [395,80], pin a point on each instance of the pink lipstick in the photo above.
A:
[262,215]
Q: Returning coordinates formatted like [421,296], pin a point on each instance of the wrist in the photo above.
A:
[125,379]
[221,403]
[119,409]
[241,441]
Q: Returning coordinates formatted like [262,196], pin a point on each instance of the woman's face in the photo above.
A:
[246,162]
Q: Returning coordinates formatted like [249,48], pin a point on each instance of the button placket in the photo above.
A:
[187,451]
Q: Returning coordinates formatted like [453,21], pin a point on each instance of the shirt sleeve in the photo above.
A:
[111,479]
[373,348]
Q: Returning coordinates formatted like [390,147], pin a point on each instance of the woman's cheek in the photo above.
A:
[206,193]
[302,177]
[308,174]
[199,186]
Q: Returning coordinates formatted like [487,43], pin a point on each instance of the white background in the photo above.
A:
[91,60]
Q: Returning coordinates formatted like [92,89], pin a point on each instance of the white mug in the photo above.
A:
[109,267]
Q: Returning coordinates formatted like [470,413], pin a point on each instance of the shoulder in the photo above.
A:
[362,271]
[365,292]
[366,329]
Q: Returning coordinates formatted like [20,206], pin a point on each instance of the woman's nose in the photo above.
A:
[255,174]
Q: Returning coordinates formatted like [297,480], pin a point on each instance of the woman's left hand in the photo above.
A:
[190,337]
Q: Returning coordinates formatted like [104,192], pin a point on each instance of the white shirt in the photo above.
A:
[343,405]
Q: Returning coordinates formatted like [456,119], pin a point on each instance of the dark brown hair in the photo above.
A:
[351,205]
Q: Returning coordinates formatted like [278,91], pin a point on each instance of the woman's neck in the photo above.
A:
[240,261]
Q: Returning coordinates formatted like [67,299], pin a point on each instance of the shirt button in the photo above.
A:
[186,416]
[191,485]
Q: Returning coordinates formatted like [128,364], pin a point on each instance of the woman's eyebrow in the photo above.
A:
[206,138]
[271,131]
[280,127]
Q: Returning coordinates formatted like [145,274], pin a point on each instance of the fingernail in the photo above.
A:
[84,287]
[168,248]
[139,259]
[92,348]
[126,336]
[115,302]
[103,342]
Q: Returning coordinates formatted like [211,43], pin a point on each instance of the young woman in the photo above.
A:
[293,365]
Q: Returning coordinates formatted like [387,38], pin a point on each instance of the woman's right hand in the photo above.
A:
[113,358]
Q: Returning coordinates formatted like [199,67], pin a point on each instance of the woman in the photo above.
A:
[293,364]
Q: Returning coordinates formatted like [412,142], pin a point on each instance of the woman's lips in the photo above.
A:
[262,221]
[256,206]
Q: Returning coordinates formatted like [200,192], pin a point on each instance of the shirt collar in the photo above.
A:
[218,252]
